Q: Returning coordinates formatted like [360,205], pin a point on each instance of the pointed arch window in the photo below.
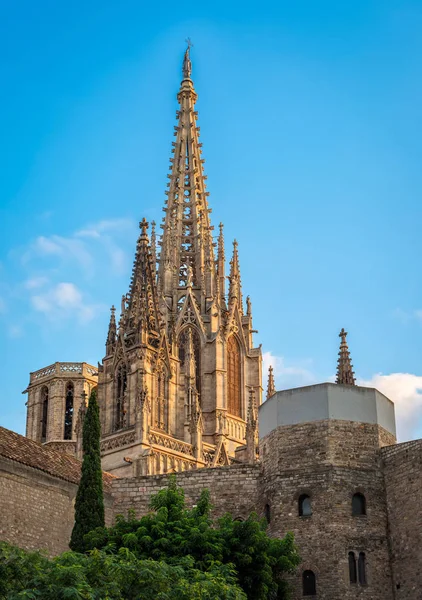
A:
[44,413]
[197,352]
[309,583]
[121,386]
[160,408]
[234,400]
[68,412]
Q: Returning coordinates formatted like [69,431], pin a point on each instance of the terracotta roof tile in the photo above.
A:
[58,464]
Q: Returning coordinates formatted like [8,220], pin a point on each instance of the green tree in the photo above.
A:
[172,533]
[89,506]
[102,576]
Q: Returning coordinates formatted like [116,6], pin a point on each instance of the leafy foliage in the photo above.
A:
[172,532]
[89,506]
[102,576]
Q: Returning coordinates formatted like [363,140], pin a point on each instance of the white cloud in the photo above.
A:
[288,375]
[405,390]
[63,300]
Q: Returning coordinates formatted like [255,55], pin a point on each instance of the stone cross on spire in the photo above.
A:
[187,64]
[345,373]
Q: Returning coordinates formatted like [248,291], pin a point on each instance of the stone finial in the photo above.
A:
[187,64]
[112,331]
[345,373]
[271,385]
[235,287]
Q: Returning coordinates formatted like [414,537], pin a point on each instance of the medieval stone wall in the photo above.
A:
[330,461]
[233,489]
[403,481]
[37,509]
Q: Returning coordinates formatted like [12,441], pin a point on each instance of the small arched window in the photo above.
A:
[197,352]
[305,507]
[267,513]
[234,401]
[44,413]
[68,413]
[362,568]
[352,568]
[121,385]
[358,505]
[309,583]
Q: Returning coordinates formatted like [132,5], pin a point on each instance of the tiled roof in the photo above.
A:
[58,464]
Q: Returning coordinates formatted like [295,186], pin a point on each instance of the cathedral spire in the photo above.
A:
[345,373]
[235,287]
[271,384]
[187,231]
[112,331]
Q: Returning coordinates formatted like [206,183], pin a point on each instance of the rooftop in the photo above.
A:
[32,454]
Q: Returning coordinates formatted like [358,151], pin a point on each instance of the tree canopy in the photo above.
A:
[172,532]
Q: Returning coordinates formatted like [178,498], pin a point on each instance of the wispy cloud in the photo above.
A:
[35,282]
[62,301]
[406,316]
[106,226]
[288,374]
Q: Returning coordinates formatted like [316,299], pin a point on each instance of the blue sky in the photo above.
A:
[310,116]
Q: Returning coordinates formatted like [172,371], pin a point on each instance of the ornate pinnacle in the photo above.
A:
[187,64]
[112,331]
[235,291]
[153,246]
[143,226]
[271,385]
[345,373]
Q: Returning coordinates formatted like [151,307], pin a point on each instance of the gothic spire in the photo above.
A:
[112,331]
[140,316]
[345,373]
[235,286]
[221,266]
[187,237]
[271,384]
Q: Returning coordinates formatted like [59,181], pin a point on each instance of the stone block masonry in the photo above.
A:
[233,489]
[403,483]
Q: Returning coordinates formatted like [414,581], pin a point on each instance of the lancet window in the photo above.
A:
[234,404]
[160,408]
[68,413]
[121,386]
[197,353]
[44,413]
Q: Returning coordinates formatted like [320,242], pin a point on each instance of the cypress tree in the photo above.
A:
[89,506]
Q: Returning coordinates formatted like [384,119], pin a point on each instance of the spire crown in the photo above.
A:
[187,63]
[345,373]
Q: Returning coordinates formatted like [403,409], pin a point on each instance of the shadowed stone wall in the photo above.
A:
[403,481]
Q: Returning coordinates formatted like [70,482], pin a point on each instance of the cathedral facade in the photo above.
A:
[180,384]
[180,390]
